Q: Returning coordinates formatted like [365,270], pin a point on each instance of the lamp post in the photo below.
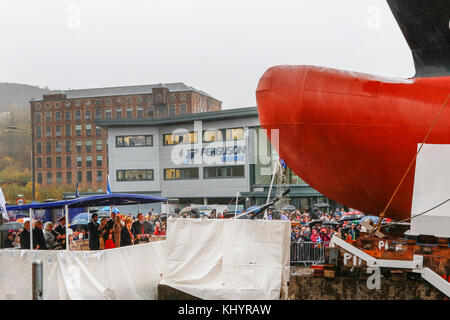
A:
[33,174]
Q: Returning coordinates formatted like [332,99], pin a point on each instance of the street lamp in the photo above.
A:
[31,133]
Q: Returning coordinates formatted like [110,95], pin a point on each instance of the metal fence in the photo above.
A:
[308,253]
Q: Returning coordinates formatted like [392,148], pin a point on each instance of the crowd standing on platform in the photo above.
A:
[120,231]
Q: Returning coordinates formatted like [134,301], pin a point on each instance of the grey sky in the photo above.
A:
[219,46]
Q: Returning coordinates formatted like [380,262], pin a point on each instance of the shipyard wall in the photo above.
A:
[305,286]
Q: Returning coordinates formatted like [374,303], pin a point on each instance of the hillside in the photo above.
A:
[14,96]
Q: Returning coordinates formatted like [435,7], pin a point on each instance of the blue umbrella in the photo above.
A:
[82,216]
[107,209]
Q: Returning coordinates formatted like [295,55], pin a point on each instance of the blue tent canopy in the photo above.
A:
[113,199]
[92,201]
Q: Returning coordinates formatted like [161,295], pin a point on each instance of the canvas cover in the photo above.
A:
[228,258]
[210,259]
[431,187]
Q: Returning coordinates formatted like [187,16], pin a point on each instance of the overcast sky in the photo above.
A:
[219,46]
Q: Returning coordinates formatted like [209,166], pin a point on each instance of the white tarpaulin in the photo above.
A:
[210,259]
[228,259]
[123,273]
[431,187]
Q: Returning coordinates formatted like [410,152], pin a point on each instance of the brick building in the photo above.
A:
[69,147]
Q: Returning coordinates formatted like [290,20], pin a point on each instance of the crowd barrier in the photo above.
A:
[308,253]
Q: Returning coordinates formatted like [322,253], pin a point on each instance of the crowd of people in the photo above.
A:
[317,226]
[118,230]
[111,232]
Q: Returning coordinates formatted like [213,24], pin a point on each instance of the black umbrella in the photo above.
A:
[313,222]
[323,205]
[352,217]
[331,223]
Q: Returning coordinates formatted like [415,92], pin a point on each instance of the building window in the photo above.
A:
[49,162]
[235,134]
[68,162]
[79,161]
[49,177]
[89,176]
[162,111]
[38,117]
[77,115]
[140,100]
[99,176]
[223,172]
[108,114]
[79,176]
[135,175]
[172,139]
[57,105]
[183,97]
[173,110]
[150,99]
[58,177]
[99,161]
[134,141]
[140,112]
[38,147]
[69,177]
[39,163]
[150,112]
[68,130]
[78,130]
[213,135]
[129,113]
[88,129]
[89,145]
[39,177]
[129,100]
[98,130]
[219,135]
[118,113]
[67,104]
[58,131]
[37,106]
[98,144]
[48,131]
[58,146]
[78,103]
[158,98]
[38,132]
[48,117]
[172,97]
[67,116]
[89,161]
[98,113]
[48,147]
[181,174]
[58,116]
[87,114]
[78,146]
[68,146]
[183,108]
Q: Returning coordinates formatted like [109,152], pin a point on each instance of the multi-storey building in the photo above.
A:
[69,147]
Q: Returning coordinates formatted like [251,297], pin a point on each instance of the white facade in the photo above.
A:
[201,155]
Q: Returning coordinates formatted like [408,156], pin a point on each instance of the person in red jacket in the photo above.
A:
[315,235]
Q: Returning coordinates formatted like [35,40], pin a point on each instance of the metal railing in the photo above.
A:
[308,253]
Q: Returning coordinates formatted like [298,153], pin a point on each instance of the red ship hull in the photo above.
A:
[352,136]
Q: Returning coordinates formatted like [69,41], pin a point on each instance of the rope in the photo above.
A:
[410,165]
